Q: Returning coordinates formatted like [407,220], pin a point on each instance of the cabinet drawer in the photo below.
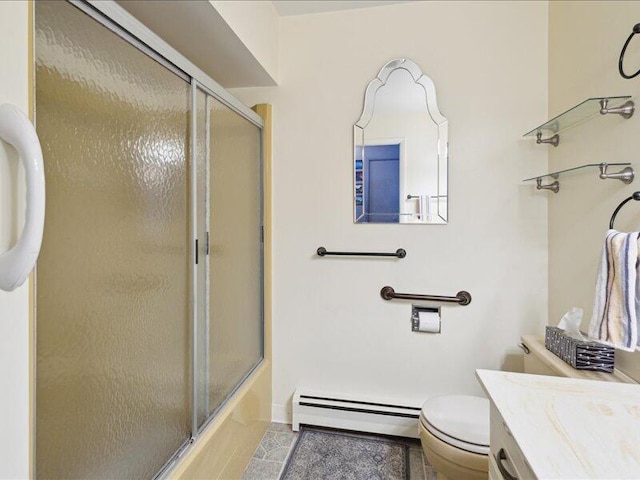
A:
[502,443]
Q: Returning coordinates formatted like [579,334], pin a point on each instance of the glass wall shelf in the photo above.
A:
[626,175]
[584,111]
[556,175]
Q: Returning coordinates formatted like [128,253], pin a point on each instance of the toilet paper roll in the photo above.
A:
[429,322]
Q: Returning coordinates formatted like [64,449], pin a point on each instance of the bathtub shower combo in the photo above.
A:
[149,302]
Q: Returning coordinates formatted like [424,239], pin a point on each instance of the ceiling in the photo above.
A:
[200,33]
[287,8]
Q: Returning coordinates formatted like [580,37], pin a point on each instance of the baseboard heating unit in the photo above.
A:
[354,413]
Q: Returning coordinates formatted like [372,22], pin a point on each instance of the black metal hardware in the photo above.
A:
[500,457]
[196,251]
[634,196]
[524,348]
[634,31]
[400,253]
[462,297]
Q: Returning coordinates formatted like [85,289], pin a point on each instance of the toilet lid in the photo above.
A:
[460,417]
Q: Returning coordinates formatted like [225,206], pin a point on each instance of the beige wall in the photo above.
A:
[14,307]
[331,329]
[585,40]
[257,25]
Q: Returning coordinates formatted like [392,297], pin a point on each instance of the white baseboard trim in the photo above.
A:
[281,413]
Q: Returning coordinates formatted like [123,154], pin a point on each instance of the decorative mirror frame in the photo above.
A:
[432,107]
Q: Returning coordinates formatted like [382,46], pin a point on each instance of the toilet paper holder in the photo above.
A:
[415,317]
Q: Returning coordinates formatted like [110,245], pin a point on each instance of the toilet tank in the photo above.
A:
[540,361]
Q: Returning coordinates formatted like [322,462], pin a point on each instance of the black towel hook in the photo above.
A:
[634,196]
[636,30]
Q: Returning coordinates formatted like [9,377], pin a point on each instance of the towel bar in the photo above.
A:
[400,253]
[462,297]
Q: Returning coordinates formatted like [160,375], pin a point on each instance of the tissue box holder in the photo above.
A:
[580,354]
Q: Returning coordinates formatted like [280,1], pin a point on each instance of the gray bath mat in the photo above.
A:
[330,455]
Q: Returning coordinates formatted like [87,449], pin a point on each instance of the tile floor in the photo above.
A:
[273,451]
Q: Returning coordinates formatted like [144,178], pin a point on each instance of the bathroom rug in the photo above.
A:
[322,454]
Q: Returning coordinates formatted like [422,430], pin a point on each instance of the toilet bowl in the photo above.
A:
[454,431]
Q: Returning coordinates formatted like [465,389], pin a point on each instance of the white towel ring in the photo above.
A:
[17,263]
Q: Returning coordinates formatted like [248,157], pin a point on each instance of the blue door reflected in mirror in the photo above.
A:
[378,184]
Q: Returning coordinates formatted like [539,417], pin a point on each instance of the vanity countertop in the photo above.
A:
[570,428]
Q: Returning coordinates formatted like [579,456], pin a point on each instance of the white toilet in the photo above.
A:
[454,431]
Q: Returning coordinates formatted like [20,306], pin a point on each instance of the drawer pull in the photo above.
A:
[502,455]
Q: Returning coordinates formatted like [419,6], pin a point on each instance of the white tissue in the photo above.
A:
[570,323]
[429,322]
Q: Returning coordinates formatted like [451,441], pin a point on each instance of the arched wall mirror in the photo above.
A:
[401,150]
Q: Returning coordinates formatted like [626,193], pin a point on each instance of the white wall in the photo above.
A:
[14,315]
[331,329]
[586,39]
[257,25]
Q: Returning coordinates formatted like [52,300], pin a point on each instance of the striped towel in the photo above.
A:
[615,307]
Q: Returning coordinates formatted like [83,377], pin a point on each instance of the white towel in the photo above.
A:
[615,307]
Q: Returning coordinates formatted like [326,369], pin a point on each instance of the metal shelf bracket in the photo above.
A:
[554,187]
[625,110]
[555,140]
[626,175]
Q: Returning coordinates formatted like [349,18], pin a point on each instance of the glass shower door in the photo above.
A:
[113,327]
[228,201]
[142,333]
[235,251]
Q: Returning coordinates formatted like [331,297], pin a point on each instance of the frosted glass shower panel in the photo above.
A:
[235,256]
[201,343]
[113,330]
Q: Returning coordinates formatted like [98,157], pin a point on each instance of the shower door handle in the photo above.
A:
[17,262]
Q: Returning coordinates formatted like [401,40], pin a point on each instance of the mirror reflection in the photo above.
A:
[400,150]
